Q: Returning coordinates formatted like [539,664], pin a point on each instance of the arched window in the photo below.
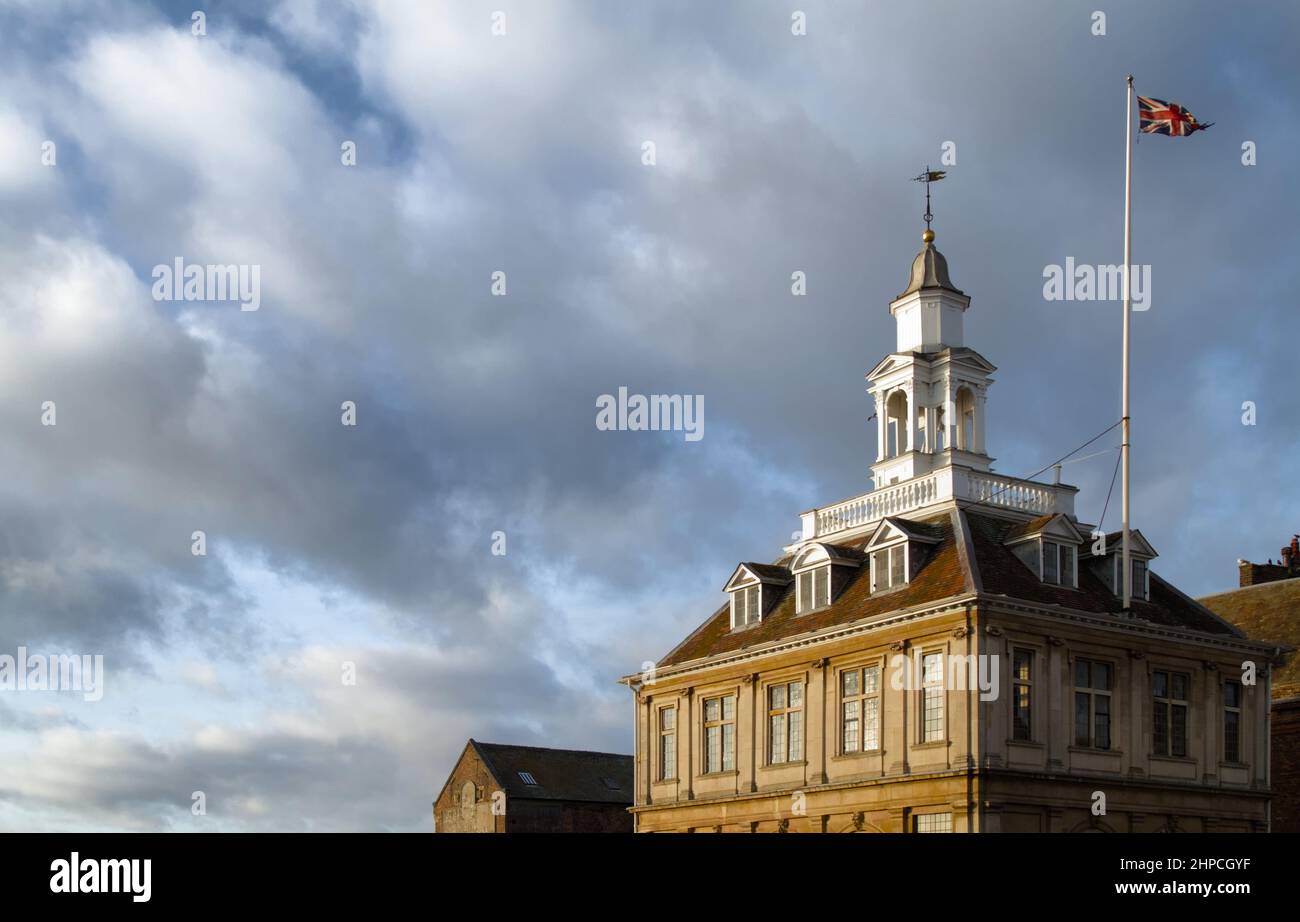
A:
[896,417]
[965,419]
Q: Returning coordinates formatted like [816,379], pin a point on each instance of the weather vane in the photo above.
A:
[928,177]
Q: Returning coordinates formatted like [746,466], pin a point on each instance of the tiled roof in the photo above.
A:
[1032,527]
[946,573]
[942,576]
[1268,612]
[561,774]
[1002,573]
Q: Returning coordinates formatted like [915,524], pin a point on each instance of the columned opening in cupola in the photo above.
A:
[896,417]
[965,408]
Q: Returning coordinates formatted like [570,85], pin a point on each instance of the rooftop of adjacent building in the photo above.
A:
[1266,605]
[539,773]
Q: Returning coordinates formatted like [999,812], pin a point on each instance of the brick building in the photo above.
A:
[1267,607]
[500,788]
[949,651]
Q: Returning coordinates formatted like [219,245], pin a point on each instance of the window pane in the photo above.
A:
[933,822]
[1067,566]
[796,694]
[1160,729]
[822,596]
[668,718]
[932,700]
[1232,694]
[712,708]
[1179,683]
[850,737]
[932,668]
[1082,736]
[1160,683]
[729,707]
[1020,668]
[805,592]
[777,695]
[728,747]
[1101,676]
[1139,579]
[1049,563]
[1081,674]
[849,682]
[880,569]
[871,724]
[712,749]
[1101,709]
[1178,734]
[776,734]
[871,680]
[1231,736]
[896,566]
[1021,713]
[796,735]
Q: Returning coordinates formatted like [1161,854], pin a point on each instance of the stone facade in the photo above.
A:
[976,776]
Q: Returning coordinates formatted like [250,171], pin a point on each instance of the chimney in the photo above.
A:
[1252,574]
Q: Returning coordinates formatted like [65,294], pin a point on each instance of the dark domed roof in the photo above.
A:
[929,269]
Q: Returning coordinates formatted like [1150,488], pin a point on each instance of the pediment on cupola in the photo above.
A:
[969,358]
[892,362]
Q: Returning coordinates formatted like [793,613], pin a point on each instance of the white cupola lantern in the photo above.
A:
[930,392]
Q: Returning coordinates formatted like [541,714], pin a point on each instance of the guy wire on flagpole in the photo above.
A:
[1128,266]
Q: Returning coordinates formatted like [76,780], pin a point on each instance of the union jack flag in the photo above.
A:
[1155,116]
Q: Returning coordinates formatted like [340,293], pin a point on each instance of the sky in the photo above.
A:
[474,553]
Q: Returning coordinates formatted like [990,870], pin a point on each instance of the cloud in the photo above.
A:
[522,153]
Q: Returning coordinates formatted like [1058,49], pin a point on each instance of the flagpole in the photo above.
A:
[1128,265]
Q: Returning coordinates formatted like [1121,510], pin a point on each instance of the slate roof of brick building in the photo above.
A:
[1268,612]
[561,774]
[990,569]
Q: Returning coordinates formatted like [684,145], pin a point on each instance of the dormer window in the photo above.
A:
[814,589]
[1141,574]
[897,549]
[1049,545]
[746,605]
[1058,563]
[753,588]
[1141,584]
[889,567]
[820,571]
[1107,563]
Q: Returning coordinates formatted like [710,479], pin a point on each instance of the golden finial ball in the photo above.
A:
[928,236]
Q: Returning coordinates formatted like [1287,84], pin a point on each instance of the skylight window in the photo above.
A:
[612,784]
[527,778]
